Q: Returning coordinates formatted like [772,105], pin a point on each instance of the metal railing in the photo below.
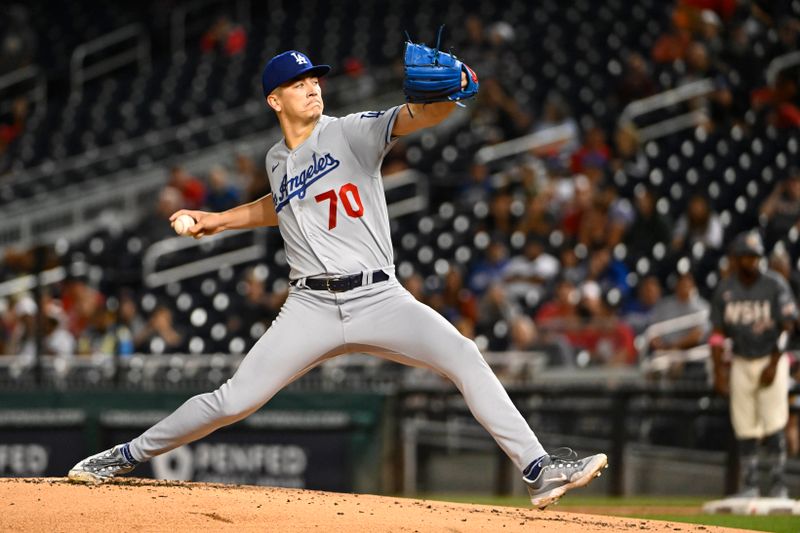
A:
[539,139]
[781,63]
[662,100]
[660,361]
[207,263]
[138,53]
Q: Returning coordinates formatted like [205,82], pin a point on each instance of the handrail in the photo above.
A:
[140,54]
[525,143]
[28,282]
[21,75]
[675,324]
[664,99]
[179,15]
[153,278]
[414,204]
[781,63]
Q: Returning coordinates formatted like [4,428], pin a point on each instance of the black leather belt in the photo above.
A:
[342,283]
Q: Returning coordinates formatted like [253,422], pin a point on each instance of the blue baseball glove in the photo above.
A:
[435,76]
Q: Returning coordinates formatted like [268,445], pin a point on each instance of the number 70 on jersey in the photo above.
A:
[351,202]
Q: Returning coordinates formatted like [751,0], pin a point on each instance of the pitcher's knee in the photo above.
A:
[230,408]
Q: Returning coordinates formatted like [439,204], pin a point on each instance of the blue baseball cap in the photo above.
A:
[286,66]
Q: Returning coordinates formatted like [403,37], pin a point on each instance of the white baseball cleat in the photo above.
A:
[561,473]
[103,466]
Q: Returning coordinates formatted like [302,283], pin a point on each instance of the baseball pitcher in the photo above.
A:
[755,310]
[328,202]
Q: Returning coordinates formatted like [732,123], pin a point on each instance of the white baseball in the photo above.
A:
[182,224]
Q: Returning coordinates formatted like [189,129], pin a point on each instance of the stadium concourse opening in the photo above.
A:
[48,504]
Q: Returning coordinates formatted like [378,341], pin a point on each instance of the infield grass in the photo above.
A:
[637,508]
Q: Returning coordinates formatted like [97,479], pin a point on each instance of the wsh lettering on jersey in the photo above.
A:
[297,185]
[755,313]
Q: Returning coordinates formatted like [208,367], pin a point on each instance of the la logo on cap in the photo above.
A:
[300,58]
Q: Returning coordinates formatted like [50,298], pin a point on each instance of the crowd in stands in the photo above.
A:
[565,224]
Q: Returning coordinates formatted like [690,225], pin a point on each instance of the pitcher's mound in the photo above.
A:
[55,505]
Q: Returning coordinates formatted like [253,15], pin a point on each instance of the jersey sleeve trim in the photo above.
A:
[390,125]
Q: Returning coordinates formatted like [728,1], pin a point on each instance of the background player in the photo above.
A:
[755,310]
[329,204]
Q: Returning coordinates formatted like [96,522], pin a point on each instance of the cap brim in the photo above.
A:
[316,70]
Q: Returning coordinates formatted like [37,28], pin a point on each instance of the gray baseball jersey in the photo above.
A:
[329,196]
[752,316]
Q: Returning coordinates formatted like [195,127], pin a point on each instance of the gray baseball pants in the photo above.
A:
[382,319]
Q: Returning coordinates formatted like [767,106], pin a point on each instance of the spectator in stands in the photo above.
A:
[781,209]
[671,46]
[780,262]
[561,312]
[576,197]
[496,314]
[636,82]
[256,306]
[788,36]
[593,155]
[528,276]
[741,66]
[251,178]
[573,262]
[608,272]
[57,338]
[224,36]
[80,302]
[160,334]
[649,227]
[475,47]
[556,113]
[416,286]
[699,224]
[498,116]
[477,187]
[638,312]
[22,330]
[608,340]
[779,104]
[192,189]
[132,327]
[155,226]
[685,302]
[221,195]
[490,269]
[500,220]
[628,158]
[710,32]
[698,67]
[605,223]
[539,219]
[12,125]
[457,300]
[98,338]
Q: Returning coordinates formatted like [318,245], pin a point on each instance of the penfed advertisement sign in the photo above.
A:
[39,443]
[279,449]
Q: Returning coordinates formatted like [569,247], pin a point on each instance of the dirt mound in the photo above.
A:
[55,505]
